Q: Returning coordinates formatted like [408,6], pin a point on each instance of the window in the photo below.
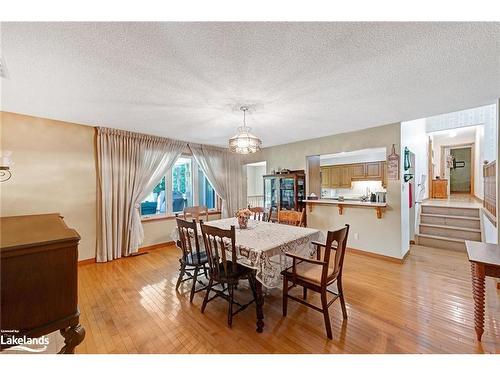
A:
[206,192]
[155,202]
[183,186]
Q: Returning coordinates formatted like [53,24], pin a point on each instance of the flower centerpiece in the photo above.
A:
[243,215]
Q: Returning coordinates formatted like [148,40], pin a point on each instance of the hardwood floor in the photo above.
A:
[422,306]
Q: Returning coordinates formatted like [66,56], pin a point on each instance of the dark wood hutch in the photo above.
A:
[285,191]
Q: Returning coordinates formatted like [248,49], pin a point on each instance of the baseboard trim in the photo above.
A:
[489,216]
[144,249]
[86,261]
[379,256]
[156,246]
[478,199]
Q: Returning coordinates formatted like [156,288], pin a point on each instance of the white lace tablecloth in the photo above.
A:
[262,246]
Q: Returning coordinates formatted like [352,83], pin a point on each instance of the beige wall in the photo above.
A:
[381,236]
[159,231]
[53,171]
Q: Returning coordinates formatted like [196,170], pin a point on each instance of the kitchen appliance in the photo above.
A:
[381,196]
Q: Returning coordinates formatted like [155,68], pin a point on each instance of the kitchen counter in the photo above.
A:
[378,206]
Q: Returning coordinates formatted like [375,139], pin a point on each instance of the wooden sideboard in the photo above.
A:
[342,176]
[439,188]
[39,279]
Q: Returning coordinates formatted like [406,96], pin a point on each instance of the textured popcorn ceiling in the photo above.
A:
[302,80]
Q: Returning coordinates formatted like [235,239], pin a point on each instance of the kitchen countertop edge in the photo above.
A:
[346,203]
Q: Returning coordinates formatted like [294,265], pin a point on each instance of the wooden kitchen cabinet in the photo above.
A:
[374,170]
[358,171]
[345,177]
[335,177]
[439,188]
[325,177]
[342,176]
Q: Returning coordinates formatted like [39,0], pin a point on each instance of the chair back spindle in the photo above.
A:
[188,238]
[196,212]
[217,243]
[258,213]
[295,218]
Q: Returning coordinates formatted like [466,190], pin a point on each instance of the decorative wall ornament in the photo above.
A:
[407,166]
[393,165]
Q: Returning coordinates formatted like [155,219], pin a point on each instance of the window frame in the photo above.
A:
[169,214]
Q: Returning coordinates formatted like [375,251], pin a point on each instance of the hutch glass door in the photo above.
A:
[287,194]
[271,192]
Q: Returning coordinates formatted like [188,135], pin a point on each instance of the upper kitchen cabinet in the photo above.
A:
[325,177]
[334,177]
[358,171]
[342,176]
[345,176]
[339,176]
[375,170]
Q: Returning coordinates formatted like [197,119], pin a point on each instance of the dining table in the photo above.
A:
[262,246]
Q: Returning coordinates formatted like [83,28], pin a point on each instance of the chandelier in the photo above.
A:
[244,142]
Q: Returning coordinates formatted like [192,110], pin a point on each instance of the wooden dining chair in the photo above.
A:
[318,274]
[272,215]
[259,213]
[193,259]
[223,271]
[295,218]
[196,212]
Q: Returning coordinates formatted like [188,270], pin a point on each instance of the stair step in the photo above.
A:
[453,221]
[441,242]
[452,216]
[443,238]
[451,227]
[446,231]
[450,210]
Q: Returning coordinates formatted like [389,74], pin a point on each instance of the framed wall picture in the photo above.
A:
[393,165]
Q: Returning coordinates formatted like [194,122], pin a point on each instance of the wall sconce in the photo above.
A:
[5,164]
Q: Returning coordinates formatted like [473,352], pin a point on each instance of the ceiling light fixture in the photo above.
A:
[244,142]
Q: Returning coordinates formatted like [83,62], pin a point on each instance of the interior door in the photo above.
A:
[460,174]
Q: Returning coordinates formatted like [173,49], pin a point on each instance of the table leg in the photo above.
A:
[259,303]
[478,277]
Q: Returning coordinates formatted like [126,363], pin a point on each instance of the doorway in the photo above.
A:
[460,170]
[255,183]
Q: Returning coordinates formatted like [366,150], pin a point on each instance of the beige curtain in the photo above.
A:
[224,171]
[129,165]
